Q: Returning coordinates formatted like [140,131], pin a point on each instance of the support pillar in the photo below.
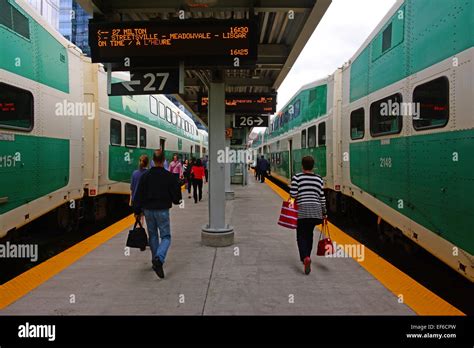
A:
[217,233]
[229,193]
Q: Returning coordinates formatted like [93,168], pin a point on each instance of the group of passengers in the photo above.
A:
[155,188]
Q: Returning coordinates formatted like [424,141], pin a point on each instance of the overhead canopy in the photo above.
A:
[285,27]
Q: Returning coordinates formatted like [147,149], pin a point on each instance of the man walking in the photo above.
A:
[264,167]
[157,191]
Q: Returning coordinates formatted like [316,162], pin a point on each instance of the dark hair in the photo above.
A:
[158,157]
[262,156]
[143,161]
[199,163]
[307,163]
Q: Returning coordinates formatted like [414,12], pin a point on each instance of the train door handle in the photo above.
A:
[3,200]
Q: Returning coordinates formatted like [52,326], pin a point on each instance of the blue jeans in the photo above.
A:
[158,220]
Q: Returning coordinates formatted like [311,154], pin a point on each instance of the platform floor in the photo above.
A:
[259,275]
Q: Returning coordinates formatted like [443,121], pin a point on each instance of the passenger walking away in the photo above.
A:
[157,191]
[189,178]
[205,164]
[264,168]
[307,189]
[257,170]
[143,162]
[136,175]
[197,173]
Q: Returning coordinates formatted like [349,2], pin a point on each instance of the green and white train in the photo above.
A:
[63,142]
[393,129]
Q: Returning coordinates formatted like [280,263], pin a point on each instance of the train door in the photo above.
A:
[290,158]
[162,144]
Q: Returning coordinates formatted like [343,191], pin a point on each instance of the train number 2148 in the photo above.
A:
[386,162]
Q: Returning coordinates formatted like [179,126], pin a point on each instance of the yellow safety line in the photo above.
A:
[415,295]
[18,287]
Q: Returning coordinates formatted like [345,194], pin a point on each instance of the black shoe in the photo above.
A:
[158,268]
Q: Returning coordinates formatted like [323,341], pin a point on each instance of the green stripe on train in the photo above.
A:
[124,160]
[40,58]
[429,178]
[282,168]
[423,33]
[32,167]
[310,104]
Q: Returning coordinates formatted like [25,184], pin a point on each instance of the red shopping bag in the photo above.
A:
[325,246]
[289,215]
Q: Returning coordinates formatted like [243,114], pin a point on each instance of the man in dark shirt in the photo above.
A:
[264,168]
[157,191]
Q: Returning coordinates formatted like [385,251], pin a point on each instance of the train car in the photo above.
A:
[40,144]
[305,127]
[66,147]
[413,166]
[401,120]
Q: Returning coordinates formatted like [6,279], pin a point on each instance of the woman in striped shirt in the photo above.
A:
[307,189]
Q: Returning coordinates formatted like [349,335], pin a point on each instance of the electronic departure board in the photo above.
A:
[256,104]
[196,42]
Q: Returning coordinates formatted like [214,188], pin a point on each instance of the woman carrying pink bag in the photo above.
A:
[307,189]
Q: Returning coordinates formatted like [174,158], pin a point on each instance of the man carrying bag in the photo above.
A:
[157,191]
[137,237]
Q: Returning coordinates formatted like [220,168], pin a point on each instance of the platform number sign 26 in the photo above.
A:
[241,121]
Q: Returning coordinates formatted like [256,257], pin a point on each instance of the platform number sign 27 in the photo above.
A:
[149,82]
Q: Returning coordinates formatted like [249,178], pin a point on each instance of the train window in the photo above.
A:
[357,124]
[168,114]
[297,107]
[142,137]
[433,101]
[385,116]
[16,108]
[174,118]
[387,38]
[303,139]
[312,136]
[115,132]
[186,126]
[14,19]
[153,105]
[322,134]
[162,110]
[131,135]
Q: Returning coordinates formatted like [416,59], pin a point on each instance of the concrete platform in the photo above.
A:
[259,275]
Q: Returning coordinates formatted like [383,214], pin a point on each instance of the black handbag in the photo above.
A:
[137,237]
